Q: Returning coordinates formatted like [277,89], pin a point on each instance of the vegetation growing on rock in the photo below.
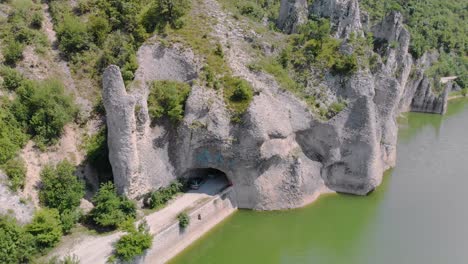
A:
[238,94]
[167,98]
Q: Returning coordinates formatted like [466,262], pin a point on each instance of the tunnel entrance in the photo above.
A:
[206,180]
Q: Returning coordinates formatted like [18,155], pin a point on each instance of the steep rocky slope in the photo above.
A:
[281,155]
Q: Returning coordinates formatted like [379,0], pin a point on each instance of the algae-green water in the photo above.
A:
[419,215]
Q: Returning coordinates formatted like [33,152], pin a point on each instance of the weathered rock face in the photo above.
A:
[293,13]
[11,204]
[280,156]
[345,16]
[418,94]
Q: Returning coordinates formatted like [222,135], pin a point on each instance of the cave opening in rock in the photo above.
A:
[206,180]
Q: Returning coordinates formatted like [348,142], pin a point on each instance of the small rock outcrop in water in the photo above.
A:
[293,13]
[280,156]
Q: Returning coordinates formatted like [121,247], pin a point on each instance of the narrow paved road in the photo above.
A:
[96,249]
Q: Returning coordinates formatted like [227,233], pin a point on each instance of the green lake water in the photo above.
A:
[419,215]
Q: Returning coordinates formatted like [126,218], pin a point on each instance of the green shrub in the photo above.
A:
[464,92]
[242,92]
[83,6]
[16,170]
[163,195]
[98,28]
[17,246]
[238,94]
[69,218]
[110,209]
[219,50]
[12,136]
[252,10]
[167,98]
[36,20]
[13,52]
[345,64]
[61,189]
[184,220]
[134,243]
[335,108]
[72,36]
[12,79]
[46,229]
[163,12]
[44,108]
[119,49]
[97,152]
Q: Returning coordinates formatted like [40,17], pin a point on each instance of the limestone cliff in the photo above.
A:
[281,155]
[293,13]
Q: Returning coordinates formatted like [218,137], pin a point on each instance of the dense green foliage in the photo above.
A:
[434,25]
[163,12]
[110,209]
[12,136]
[184,220]
[46,229]
[313,46]
[12,79]
[72,36]
[163,195]
[134,243]
[167,98]
[238,94]
[15,169]
[97,153]
[16,245]
[44,109]
[69,218]
[61,189]
[449,65]
[102,32]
